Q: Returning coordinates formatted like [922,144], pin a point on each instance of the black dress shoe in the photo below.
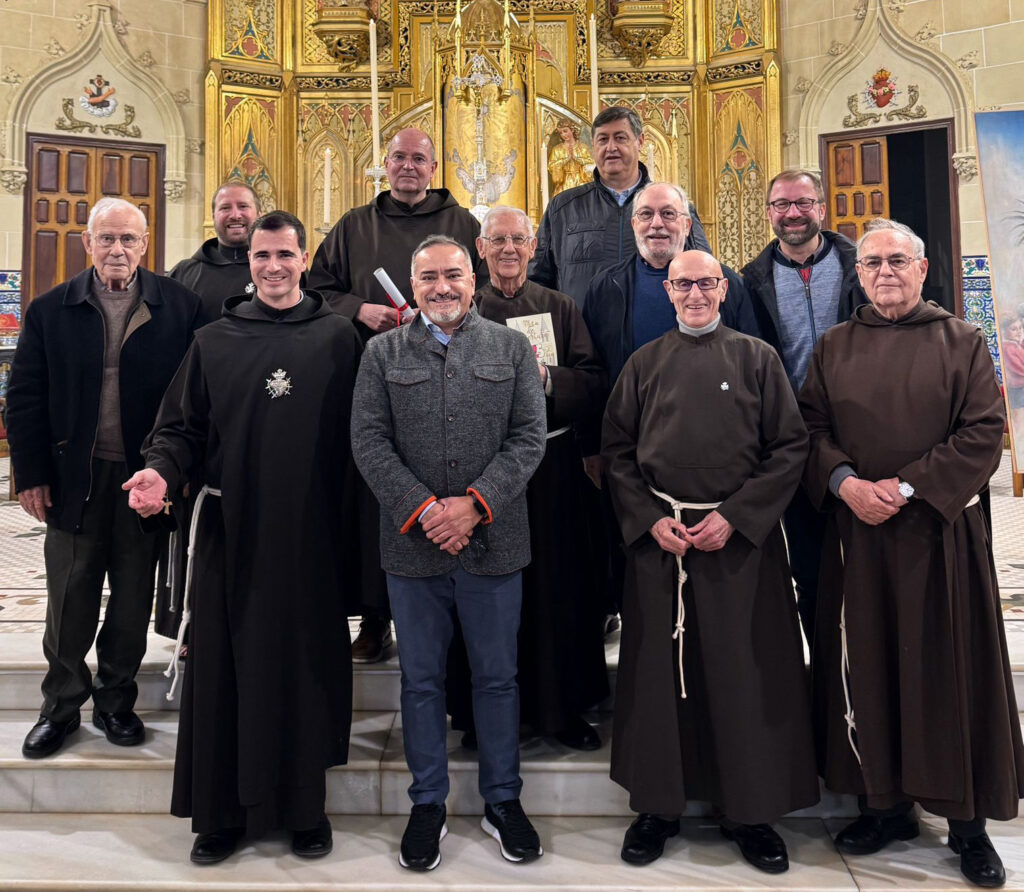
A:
[645,839]
[979,861]
[122,728]
[314,843]
[579,735]
[760,845]
[212,848]
[871,833]
[469,741]
[47,736]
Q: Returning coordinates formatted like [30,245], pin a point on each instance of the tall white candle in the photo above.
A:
[327,186]
[544,189]
[594,108]
[374,110]
[650,159]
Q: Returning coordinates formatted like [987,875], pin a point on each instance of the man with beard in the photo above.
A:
[220,268]
[447,428]
[625,308]
[802,284]
[383,233]
[705,446]
[562,669]
[259,413]
[913,696]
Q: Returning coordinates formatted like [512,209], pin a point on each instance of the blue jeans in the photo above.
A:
[488,608]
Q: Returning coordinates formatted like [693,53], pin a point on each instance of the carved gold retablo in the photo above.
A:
[344,27]
[640,26]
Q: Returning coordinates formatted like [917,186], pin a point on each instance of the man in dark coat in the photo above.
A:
[801,285]
[913,696]
[584,229]
[259,412]
[383,233]
[94,358]
[705,446]
[220,267]
[562,669]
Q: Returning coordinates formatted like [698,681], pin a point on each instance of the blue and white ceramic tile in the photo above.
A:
[978,307]
[10,304]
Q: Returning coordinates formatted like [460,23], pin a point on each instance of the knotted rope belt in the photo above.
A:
[186,598]
[677,509]
[844,666]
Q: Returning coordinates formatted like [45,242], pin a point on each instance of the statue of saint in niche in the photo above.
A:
[570,163]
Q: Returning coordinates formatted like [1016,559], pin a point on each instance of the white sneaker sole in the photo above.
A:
[437,860]
[491,830]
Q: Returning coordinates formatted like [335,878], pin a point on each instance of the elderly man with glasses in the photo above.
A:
[94,358]
[913,696]
[801,285]
[705,446]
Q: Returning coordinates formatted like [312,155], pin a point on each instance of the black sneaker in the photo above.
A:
[507,823]
[421,842]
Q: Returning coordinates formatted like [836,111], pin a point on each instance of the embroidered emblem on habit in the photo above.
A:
[250,288]
[725,385]
[279,384]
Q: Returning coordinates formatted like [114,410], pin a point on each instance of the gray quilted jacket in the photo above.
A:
[430,421]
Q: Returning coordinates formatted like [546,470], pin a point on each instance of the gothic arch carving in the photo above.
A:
[101,39]
[828,91]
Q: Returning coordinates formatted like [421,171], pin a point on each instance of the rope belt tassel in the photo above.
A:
[681,575]
[186,598]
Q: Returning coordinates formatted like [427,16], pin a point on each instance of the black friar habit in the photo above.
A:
[261,406]
[214,272]
[562,669]
[929,679]
[709,419]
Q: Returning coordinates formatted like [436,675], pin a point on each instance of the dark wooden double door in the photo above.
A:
[66,177]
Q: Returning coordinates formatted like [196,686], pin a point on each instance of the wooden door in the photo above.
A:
[66,177]
[858,183]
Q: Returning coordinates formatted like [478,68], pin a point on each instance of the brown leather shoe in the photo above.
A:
[372,642]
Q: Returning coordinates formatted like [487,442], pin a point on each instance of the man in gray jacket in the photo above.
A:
[448,425]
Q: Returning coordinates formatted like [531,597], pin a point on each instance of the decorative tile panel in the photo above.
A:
[978,307]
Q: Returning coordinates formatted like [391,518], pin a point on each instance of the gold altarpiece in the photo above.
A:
[702,74]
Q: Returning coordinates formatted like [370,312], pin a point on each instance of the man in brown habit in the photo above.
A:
[705,447]
[913,695]
[383,233]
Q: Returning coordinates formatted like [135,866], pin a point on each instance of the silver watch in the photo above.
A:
[906,490]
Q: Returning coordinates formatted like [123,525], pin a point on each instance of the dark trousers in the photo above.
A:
[488,609]
[963,829]
[110,544]
[805,535]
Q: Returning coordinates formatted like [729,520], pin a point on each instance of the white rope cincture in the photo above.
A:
[172,548]
[681,576]
[851,721]
[552,434]
[186,612]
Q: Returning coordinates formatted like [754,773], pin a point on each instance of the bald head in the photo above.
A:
[410,165]
[696,286]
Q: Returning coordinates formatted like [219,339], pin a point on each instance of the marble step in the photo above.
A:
[375,686]
[89,775]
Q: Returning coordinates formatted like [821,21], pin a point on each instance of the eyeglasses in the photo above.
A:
[896,263]
[128,240]
[706,283]
[645,215]
[498,241]
[781,205]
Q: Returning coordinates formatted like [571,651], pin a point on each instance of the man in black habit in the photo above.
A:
[562,670]
[705,447]
[261,406]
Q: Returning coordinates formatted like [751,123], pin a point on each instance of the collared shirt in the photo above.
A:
[622,197]
[435,330]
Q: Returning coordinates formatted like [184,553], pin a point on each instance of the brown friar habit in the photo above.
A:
[929,681]
[260,410]
[709,419]
[562,670]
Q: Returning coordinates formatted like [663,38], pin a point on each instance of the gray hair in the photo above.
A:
[883,224]
[679,191]
[430,241]
[110,204]
[485,225]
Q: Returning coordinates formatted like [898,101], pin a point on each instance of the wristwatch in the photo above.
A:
[905,490]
